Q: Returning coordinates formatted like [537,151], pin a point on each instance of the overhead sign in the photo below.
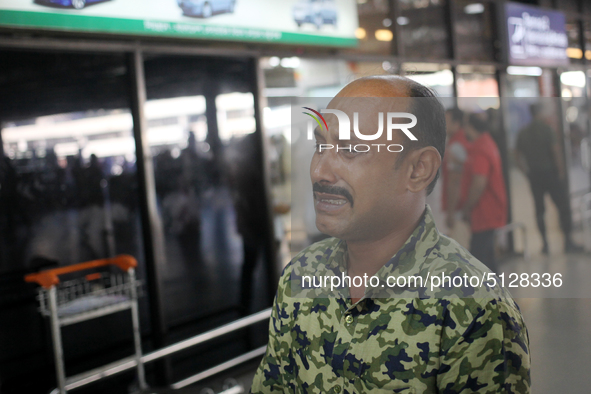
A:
[311,22]
[537,37]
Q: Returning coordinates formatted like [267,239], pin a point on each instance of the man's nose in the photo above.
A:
[324,167]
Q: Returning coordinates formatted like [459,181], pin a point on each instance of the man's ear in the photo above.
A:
[425,163]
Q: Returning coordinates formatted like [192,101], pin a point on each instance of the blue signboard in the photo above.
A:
[537,37]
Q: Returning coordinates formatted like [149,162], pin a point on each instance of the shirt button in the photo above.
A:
[349,319]
[337,389]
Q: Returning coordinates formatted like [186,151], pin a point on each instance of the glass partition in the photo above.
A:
[375,32]
[209,186]
[436,76]
[424,30]
[477,81]
[574,50]
[474,29]
[69,162]
[68,194]
[587,36]
[576,133]
[569,5]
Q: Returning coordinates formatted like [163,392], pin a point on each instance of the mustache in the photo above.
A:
[339,191]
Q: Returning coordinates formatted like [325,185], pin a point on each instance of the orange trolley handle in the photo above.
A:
[49,278]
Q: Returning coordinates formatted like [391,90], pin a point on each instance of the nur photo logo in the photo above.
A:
[391,120]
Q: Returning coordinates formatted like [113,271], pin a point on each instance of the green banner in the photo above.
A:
[155,27]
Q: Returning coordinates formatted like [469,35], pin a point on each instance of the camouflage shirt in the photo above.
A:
[422,344]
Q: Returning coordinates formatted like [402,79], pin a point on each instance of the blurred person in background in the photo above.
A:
[539,156]
[483,188]
[246,177]
[453,164]
[91,219]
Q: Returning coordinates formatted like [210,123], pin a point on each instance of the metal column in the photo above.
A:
[151,227]
[137,339]
[56,334]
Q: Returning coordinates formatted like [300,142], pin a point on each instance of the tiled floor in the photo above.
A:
[560,344]
[559,323]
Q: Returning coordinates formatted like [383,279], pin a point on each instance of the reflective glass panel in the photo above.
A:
[424,31]
[587,34]
[474,28]
[523,86]
[69,160]
[569,5]
[574,50]
[436,76]
[68,194]
[375,27]
[573,85]
[209,186]
[477,81]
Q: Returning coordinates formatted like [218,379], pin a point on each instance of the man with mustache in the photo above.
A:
[369,336]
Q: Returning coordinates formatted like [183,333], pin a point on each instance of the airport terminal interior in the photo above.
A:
[165,133]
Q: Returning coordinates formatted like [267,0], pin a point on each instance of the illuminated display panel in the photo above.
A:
[311,22]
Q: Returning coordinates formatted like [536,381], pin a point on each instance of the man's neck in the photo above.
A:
[367,257]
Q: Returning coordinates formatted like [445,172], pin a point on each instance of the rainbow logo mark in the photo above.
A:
[315,118]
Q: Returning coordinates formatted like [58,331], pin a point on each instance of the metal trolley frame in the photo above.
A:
[87,297]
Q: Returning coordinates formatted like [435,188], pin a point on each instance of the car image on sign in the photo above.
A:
[317,12]
[77,4]
[206,8]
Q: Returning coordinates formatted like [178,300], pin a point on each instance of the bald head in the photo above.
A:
[378,86]
[430,129]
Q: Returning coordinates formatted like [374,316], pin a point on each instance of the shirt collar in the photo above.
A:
[409,258]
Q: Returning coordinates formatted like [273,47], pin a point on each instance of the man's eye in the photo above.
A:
[348,151]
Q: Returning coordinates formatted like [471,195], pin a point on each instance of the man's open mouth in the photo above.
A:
[330,198]
[329,202]
[337,202]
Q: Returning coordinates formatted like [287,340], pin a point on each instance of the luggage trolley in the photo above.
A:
[92,295]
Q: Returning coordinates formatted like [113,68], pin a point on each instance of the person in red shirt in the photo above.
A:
[483,189]
[453,164]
